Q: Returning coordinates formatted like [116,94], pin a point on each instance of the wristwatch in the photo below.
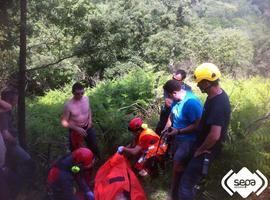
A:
[179,131]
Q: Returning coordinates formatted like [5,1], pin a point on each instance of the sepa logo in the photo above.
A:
[244,182]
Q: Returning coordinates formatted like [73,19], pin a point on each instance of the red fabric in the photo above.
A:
[116,176]
[53,175]
[77,140]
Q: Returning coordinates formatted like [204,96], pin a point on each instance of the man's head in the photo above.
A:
[10,96]
[206,76]
[179,75]
[173,88]
[77,90]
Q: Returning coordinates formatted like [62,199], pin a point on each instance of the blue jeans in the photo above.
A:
[21,168]
[192,176]
[184,151]
[4,190]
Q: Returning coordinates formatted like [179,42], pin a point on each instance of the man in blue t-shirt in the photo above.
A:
[179,76]
[211,131]
[184,118]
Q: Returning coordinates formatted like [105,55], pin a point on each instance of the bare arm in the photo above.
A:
[4,106]
[210,140]
[168,102]
[132,144]
[186,130]
[8,137]
[133,151]
[65,117]
[168,124]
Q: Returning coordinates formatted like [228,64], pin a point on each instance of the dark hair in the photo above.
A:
[182,72]
[215,82]
[9,95]
[77,86]
[171,86]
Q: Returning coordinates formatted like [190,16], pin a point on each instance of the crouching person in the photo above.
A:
[73,167]
[146,144]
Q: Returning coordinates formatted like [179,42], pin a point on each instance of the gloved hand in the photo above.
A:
[120,149]
[90,195]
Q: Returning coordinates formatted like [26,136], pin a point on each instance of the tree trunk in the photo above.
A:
[22,69]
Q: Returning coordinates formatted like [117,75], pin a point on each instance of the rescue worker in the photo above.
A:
[72,167]
[212,129]
[183,121]
[146,143]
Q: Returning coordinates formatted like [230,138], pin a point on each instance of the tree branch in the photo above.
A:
[256,124]
[50,64]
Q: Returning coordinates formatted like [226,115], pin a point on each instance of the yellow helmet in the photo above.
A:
[206,71]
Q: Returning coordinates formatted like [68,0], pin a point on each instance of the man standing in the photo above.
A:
[19,163]
[184,119]
[77,117]
[212,128]
[179,76]
[4,193]
[4,107]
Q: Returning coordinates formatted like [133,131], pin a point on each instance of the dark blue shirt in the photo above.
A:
[217,112]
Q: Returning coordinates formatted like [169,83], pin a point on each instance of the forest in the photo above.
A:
[123,52]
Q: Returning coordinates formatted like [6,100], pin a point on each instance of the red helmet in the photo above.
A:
[82,156]
[135,124]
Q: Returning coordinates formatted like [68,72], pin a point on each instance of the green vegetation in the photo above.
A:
[124,50]
[97,40]
[115,102]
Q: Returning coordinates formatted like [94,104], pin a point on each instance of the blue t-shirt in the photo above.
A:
[185,113]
